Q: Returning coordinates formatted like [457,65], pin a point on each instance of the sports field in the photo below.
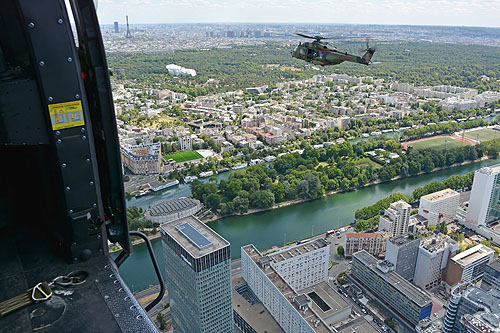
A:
[484,134]
[184,156]
[436,143]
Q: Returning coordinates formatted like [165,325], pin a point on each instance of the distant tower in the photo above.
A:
[128,35]
[116,28]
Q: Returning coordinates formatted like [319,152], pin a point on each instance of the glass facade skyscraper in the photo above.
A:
[484,203]
[466,299]
[198,277]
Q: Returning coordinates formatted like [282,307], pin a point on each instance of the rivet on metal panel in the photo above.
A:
[98,236]
[42,63]
[91,183]
[139,317]
[60,21]
[82,130]
[100,251]
[31,25]
[77,96]
[50,99]
[69,59]
[58,133]
[68,188]
[87,160]
[75,259]
[70,211]
[73,244]
[58,141]
[63,165]
[94,205]
[84,138]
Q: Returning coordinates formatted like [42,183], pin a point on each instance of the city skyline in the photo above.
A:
[480,13]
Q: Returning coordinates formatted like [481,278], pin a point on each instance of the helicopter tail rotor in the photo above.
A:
[369,51]
[368,48]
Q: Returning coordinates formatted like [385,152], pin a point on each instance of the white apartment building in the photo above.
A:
[142,159]
[185,142]
[443,202]
[374,243]
[485,197]
[292,311]
[303,265]
[432,259]
[469,266]
[395,219]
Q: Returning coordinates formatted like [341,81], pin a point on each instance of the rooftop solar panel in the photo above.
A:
[193,235]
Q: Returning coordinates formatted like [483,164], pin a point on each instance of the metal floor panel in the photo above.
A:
[102,304]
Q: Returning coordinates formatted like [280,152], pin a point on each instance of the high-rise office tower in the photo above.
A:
[402,252]
[433,255]
[396,218]
[198,277]
[128,35]
[484,204]
[491,275]
[471,309]
[117,30]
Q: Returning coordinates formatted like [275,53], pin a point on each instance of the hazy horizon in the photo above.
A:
[473,13]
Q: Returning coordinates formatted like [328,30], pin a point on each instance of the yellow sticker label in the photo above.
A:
[66,115]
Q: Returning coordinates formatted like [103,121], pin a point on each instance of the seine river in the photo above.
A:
[278,226]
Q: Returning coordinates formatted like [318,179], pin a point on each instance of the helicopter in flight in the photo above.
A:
[318,53]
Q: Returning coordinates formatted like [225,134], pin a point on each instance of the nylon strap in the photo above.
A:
[41,292]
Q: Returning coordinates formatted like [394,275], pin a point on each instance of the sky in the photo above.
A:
[484,13]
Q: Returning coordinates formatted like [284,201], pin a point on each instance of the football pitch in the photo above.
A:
[437,143]
[184,156]
[483,134]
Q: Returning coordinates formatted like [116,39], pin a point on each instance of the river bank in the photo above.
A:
[280,226]
[216,217]
[117,248]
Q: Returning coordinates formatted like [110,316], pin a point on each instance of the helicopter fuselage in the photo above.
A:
[319,54]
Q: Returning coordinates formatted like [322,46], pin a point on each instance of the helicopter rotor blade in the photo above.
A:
[346,37]
[305,36]
[319,38]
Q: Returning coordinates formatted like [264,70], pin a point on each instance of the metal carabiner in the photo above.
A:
[77,277]
[74,278]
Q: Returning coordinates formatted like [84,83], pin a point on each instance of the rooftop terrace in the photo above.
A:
[256,315]
[297,250]
[440,195]
[191,238]
[472,255]
[286,290]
